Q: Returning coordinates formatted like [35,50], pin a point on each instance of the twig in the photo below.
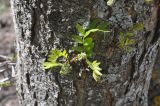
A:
[4,57]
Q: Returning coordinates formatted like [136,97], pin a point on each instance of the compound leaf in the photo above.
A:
[78,39]
[65,69]
[94,30]
[96,77]
[52,58]
[103,26]
[89,31]
[138,26]
[81,56]
[80,29]
[96,69]
[77,48]
[93,23]
[87,41]
[48,65]
[110,2]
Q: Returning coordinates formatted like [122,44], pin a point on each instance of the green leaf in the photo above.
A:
[103,27]
[94,30]
[89,48]
[97,72]
[55,54]
[78,39]
[89,31]
[138,26]
[96,77]
[65,69]
[96,69]
[126,40]
[129,34]
[94,65]
[110,2]
[81,56]
[64,54]
[122,39]
[93,23]
[148,1]
[128,48]
[89,53]
[52,58]
[80,29]
[87,41]
[6,84]
[129,42]
[78,48]
[48,65]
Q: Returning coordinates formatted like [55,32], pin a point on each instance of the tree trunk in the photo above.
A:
[45,24]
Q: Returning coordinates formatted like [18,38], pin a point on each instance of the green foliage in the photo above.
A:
[65,69]
[127,37]
[138,26]
[126,41]
[95,68]
[6,84]
[80,29]
[148,1]
[83,48]
[84,43]
[53,61]
[110,2]
[100,25]
[81,56]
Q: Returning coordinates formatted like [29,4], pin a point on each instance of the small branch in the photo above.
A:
[4,57]
[3,80]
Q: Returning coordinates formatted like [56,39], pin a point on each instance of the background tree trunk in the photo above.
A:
[43,25]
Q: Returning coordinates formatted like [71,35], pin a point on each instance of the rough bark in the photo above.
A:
[43,25]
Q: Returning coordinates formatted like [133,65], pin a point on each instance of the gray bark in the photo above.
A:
[43,25]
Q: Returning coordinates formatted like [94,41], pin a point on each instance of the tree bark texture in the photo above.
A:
[45,24]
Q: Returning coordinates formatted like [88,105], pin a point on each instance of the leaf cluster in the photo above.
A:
[127,38]
[148,1]
[96,69]
[83,41]
[110,2]
[6,84]
[83,47]
[52,61]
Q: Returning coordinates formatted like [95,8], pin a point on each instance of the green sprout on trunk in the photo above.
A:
[127,38]
[83,48]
